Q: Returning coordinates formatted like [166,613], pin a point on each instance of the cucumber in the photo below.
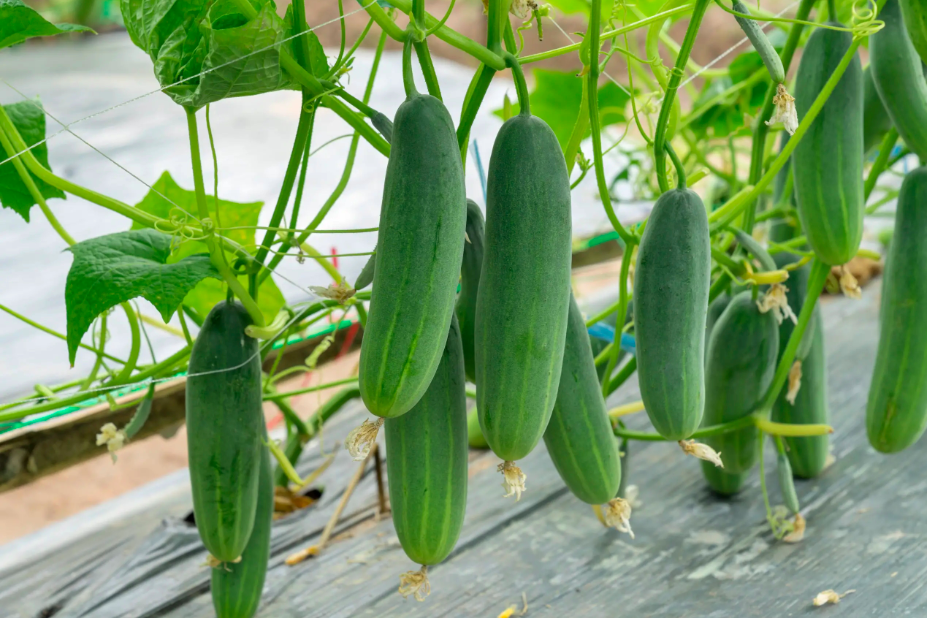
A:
[365,277]
[236,588]
[876,121]
[470,284]
[760,43]
[797,286]
[807,455]
[225,428]
[827,165]
[915,21]
[896,414]
[523,302]
[715,310]
[899,78]
[419,248]
[474,434]
[426,451]
[579,437]
[671,282]
[786,483]
[781,229]
[741,364]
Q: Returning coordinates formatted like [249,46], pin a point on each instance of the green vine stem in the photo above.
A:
[592,98]
[881,162]
[669,97]
[55,333]
[408,81]
[626,371]
[761,129]
[498,20]
[428,68]
[521,86]
[471,105]
[274,396]
[92,376]
[215,251]
[752,420]
[622,312]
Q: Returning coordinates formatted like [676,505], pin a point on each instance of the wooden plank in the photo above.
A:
[34,451]
[694,554]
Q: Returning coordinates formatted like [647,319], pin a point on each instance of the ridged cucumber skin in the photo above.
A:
[523,302]
[225,427]
[419,248]
[671,282]
[896,414]
[876,121]
[426,451]
[715,311]
[827,165]
[236,588]
[741,364]
[579,437]
[808,455]
[915,20]
[470,270]
[898,74]
[797,286]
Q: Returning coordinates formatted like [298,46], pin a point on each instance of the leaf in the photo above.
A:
[230,215]
[557,96]
[318,63]
[206,51]
[29,120]
[115,268]
[19,22]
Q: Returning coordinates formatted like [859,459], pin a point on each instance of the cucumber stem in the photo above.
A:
[521,86]
[680,168]
[408,83]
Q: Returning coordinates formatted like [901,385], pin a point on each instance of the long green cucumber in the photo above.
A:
[426,451]
[523,302]
[797,290]
[237,587]
[579,437]
[225,427]
[896,414]
[715,311]
[671,282]
[470,271]
[898,74]
[808,455]
[782,229]
[915,21]
[827,165]
[419,247]
[741,364]
[876,121]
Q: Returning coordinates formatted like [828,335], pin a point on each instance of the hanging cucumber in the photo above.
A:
[741,364]
[827,165]
[470,283]
[715,310]
[579,437]
[760,43]
[896,414]
[797,290]
[523,302]
[780,228]
[237,587]
[898,74]
[474,434]
[426,451]
[876,121]
[671,282]
[365,277]
[419,248]
[225,427]
[786,483]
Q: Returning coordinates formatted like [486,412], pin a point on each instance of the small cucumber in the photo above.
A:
[579,437]
[237,587]
[827,165]
[470,284]
[225,427]
[365,277]
[671,282]
[876,121]
[760,43]
[419,248]
[741,364]
[898,74]
[896,414]
[715,310]
[786,483]
[426,451]
[524,297]
[797,286]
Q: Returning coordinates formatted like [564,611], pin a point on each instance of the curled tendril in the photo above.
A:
[176,226]
[864,22]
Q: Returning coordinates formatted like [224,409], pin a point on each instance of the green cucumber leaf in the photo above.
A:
[29,120]
[19,22]
[318,63]
[235,220]
[115,268]
[557,96]
[206,51]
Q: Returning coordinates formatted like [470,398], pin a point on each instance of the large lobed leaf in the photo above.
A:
[29,120]
[19,22]
[205,51]
[112,269]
